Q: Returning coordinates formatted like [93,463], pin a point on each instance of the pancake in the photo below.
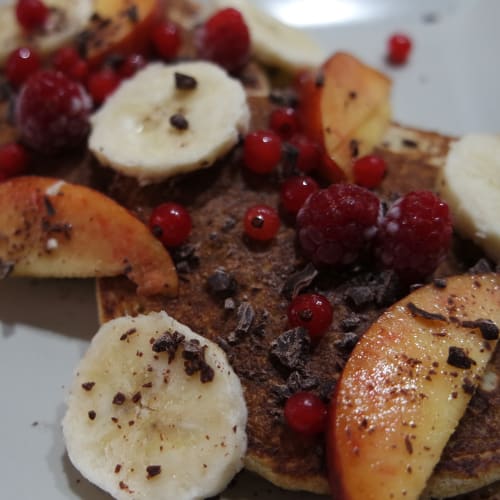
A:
[236,292]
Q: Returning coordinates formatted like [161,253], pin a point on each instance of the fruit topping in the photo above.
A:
[68,60]
[131,65]
[336,224]
[399,48]
[171,224]
[262,151]
[102,84]
[167,40]
[369,171]
[415,235]
[31,14]
[312,312]
[284,122]
[52,112]
[261,222]
[225,40]
[21,64]
[306,153]
[305,413]
[13,160]
[295,191]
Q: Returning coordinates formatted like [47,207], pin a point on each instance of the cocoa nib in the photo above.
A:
[179,122]
[417,311]
[221,283]
[194,360]
[291,349]
[119,398]
[296,282]
[6,268]
[88,385]
[153,470]
[184,82]
[488,329]
[246,316]
[169,343]
[458,358]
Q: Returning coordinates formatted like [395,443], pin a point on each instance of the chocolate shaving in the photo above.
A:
[179,121]
[481,266]
[408,445]
[6,268]
[222,284]
[388,288]
[153,470]
[416,311]
[88,385]
[128,333]
[291,348]
[347,341]
[136,397]
[194,360]
[298,381]
[296,282]
[488,329]
[360,296]
[184,82]
[119,398]
[458,358]
[169,343]
[246,316]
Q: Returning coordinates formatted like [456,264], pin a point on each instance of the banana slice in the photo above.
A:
[66,19]
[140,427]
[275,43]
[470,184]
[152,129]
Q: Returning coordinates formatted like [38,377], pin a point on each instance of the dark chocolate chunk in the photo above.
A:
[296,282]
[409,143]
[458,358]
[417,311]
[88,385]
[92,414]
[388,288]
[194,360]
[350,323]
[222,283]
[246,316]
[481,266]
[291,349]
[179,121]
[119,398]
[439,282]
[136,397]
[298,381]
[6,268]
[184,82]
[153,470]
[488,329]
[360,296]
[169,343]
[347,341]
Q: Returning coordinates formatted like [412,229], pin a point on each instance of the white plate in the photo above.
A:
[450,85]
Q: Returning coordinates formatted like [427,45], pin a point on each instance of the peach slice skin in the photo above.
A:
[399,400]
[49,228]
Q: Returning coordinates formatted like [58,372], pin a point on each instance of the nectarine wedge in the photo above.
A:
[49,228]
[119,27]
[345,107]
[406,386]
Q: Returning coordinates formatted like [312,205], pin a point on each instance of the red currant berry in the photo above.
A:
[369,171]
[171,224]
[167,40]
[262,151]
[399,47]
[415,235]
[68,60]
[131,65]
[52,112]
[284,122]
[102,84]
[311,311]
[261,222]
[308,155]
[13,160]
[305,413]
[295,191]
[21,64]
[225,40]
[336,224]
[31,14]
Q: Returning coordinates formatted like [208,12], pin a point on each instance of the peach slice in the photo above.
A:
[49,228]
[345,107]
[407,384]
[119,27]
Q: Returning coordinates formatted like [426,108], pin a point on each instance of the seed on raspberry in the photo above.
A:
[13,160]
[262,151]
[261,222]
[305,413]
[31,14]
[171,224]
[167,40]
[313,312]
[21,64]
[337,224]
[295,191]
[52,112]
[415,235]
[225,40]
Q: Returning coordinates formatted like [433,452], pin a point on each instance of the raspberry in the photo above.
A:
[414,235]
[336,224]
[52,112]
[225,40]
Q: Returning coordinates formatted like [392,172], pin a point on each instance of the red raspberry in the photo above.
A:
[225,40]
[415,235]
[52,112]
[336,224]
